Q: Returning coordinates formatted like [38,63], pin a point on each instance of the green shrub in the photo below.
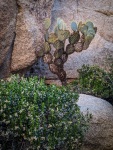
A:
[95,81]
[45,116]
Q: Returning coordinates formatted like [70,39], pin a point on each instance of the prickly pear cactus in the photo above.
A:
[58,44]
[47,23]
[74,26]
[48,58]
[63,35]
[58,53]
[47,47]
[58,62]
[64,57]
[70,49]
[74,37]
[79,39]
[52,38]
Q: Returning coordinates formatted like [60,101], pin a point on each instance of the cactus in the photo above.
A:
[82,39]
[58,44]
[63,35]
[58,62]
[91,31]
[78,47]
[64,57]
[62,75]
[61,24]
[70,49]
[84,29]
[79,40]
[90,24]
[80,25]
[56,30]
[74,38]
[58,53]
[48,58]
[52,38]
[88,40]
[53,68]
[74,26]
[47,23]
[47,47]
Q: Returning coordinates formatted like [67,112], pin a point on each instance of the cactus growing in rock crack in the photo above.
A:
[79,39]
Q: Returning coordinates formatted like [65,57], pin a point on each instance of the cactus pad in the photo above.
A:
[64,57]
[88,40]
[58,44]
[74,38]
[70,49]
[82,39]
[47,23]
[52,38]
[84,29]
[58,53]
[61,24]
[58,62]
[78,47]
[53,68]
[89,24]
[91,31]
[47,58]
[74,26]
[63,35]
[80,25]
[47,47]
[56,30]
[62,75]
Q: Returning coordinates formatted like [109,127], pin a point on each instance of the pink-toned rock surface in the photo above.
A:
[8,11]
[29,32]
[100,133]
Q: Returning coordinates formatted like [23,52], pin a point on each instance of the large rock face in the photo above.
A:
[29,31]
[101,14]
[100,133]
[8,11]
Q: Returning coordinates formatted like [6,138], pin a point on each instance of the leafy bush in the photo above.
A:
[47,117]
[95,81]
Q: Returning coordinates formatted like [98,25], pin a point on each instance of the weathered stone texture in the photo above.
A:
[29,32]
[8,12]
[100,133]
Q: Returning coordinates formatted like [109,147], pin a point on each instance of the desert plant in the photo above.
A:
[79,40]
[95,81]
[47,117]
